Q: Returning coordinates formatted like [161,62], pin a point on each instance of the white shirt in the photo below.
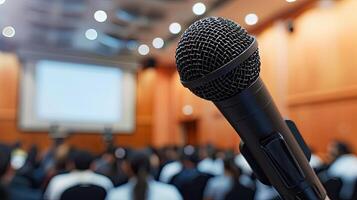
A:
[265,192]
[345,167]
[62,182]
[169,171]
[210,166]
[218,187]
[315,161]
[242,163]
[156,190]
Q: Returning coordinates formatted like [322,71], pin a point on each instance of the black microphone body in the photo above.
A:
[219,61]
[254,116]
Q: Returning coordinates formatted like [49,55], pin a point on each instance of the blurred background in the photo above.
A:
[97,80]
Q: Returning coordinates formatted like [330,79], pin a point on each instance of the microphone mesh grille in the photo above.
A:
[207,45]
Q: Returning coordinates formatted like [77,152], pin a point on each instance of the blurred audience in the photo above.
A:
[81,174]
[343,166]
[228,185]
[173,172]
[190,181]
[211,163]
[142,186]
[170,166]
[108,164]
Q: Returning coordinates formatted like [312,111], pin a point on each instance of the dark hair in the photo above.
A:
[342,148]
[190,153]
[82,159]
[211,151]
[140,165]
[231,167]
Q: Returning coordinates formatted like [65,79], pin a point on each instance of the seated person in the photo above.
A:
[14,185]
[142,186]
[212,164]
[80,174]
[172,165]
[190,181]
[343,166]
[219,187]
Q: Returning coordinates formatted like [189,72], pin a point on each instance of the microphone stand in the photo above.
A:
[259,172]
[273,147]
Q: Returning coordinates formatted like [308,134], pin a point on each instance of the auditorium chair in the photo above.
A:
[87,192]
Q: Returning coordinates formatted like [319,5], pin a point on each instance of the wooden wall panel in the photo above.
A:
[322,74]
[274,63]
[164,128]
[8,86]
[326,121]
[323,49]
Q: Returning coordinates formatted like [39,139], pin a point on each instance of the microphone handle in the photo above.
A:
[277,156]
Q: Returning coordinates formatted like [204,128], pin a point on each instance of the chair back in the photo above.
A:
[88,192]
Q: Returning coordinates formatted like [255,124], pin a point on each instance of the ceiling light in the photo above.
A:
[91,34]
[2,1]
[290,1]
[100,16]
[158,43]
[199,8]
[8,31]
[143,49]
[251,19]
[187,110]
[175,28]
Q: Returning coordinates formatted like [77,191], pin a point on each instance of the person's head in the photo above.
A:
[82,160]
[231,169]
[154,157]
[138,163]
[171,153]
[189,157]
[339,148]
[211,152]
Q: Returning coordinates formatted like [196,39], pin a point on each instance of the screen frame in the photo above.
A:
[28,121]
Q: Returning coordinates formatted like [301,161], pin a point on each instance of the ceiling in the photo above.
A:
[236,10]
[61,24]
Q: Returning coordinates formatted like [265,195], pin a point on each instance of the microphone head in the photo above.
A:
[209,44]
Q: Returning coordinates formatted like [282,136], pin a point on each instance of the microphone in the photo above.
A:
[219,61]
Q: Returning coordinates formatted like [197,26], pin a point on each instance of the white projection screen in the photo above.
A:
[77,96]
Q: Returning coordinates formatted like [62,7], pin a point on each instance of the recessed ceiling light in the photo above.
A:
[100,16]
[199,8]
[175,28]
[2,1]
[158,43]
[290,1]
[8,31]
[251,19]
[187,110]
[91,34]
[143,49]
